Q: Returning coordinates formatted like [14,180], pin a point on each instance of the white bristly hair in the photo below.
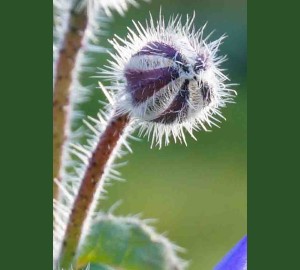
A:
[120,6]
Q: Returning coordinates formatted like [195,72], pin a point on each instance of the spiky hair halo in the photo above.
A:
[167,77]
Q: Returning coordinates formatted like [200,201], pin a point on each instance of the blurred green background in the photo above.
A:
[197,193]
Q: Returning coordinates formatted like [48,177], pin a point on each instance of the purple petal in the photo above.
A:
[178,108]
[142,84]
[236,258]
[206,92]
[164,50]
[161,49]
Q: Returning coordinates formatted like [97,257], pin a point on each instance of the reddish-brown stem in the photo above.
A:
[61,96]
[92,177]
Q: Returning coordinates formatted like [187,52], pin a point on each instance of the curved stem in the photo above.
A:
[61,95]
[93,176]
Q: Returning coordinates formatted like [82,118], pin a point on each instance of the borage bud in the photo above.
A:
[168,78]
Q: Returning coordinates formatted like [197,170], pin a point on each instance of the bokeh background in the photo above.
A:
[197,193]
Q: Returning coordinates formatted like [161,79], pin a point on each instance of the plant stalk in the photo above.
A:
[61,96]
[93,176]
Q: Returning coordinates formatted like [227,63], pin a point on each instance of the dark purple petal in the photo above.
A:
[178,108]
[164,50]
[206,92]
[142,84]
[161,49]
[236,258]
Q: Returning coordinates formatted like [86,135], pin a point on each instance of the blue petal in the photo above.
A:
[236,258]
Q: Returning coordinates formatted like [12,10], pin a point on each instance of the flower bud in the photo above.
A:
[168,78]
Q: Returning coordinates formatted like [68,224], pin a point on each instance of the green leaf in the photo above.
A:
[127,243]
[97,267]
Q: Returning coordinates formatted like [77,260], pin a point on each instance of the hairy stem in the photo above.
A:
[90,182]
[61,97]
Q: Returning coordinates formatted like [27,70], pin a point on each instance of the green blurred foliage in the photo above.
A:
[197,193]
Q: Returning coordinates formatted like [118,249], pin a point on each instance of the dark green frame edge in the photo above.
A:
[273,183]
[26,135]
[273,179]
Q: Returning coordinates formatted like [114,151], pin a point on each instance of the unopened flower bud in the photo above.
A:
[168,78]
